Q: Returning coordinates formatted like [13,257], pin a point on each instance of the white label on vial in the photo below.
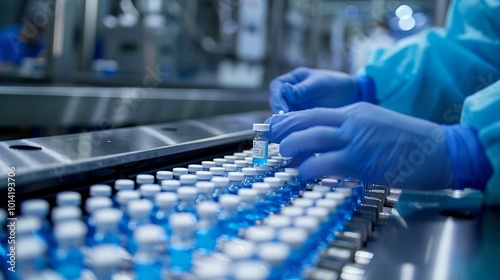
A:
[259,149]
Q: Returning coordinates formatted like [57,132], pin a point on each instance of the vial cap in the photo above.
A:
[249,171]
[28,224]
[346,191]
[100,190]
[208,209]
[272,162]
[139,208]
[329,204]
[166,199]
[178,171]
[292,171]
[330,182]
[66,213]
[292,211]
[283,176]
[261,188]
[203,175]
[273,182]
[240,156]
[187,179]
[182,221]
[229,201]
[273,253]
[30,248]
[149,234]
[248,153]
[308,223]
[187,193]
[238,249]
[318,212]
[219,161]
[145,179]
[322,189]
[217,171]
[260,234]
[294,237]
[95,203]
[220,182]
[211,269]
[35,207]
[235,176]
[170,185]
[261,168]
[105,256]
[124,184]
[250,270]
[303,202]
[228,167]
[123,197]
[164,175]
[312,195]
[240,163]
[69,199]
[193,168]
[149,190]
[261,127]
[280,159]
[205,187]
[70,230]
[338,197]
[207,164]
[108,217]
[230,159]
[248,194]
[278,221]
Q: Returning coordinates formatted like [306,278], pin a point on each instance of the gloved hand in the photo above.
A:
[367,142]
[305,88]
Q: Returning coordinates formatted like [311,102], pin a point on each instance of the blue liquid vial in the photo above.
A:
[105,261]
[219,162]
[230,159]
[207,164]
[205,191]
[262,205]
[218,171]
[139,212]
[147,261]
[39,208]
[276,193]
[240,164]
[30,259]
[285,189]
[68,257]
[276,255]
[247,207]
[333,220]
[229,167]
[148,191]
[273,167]
[221,184]
[322,214]
[249,179]
[230,222]
[92,204]
[182,242]
[107,227]
[260,144]
[165,206]
[204,176]
[311,225]
[121,185]
[261,173]
[207,230]
[294,183]
[193,168]
[296,239]
[187,200]
[61,214]
[235,182]
[123,198]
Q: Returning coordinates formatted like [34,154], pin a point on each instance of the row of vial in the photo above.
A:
[178,226]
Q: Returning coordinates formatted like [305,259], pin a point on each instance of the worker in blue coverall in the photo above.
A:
[392,123]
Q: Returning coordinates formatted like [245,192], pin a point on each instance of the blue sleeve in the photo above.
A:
[430,74]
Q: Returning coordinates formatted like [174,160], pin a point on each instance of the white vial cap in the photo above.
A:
[30,248]
[219,161]
[208,209]
[322,189]
[28,224]
[248,195]
[107,217]
[278,221]
[260,234]
[205,187]
[250,270]
[329,182]
[292,211]
[203,175]
[105,257]
[217,171]
[249,161]
[207,164]
[149,234]
[71,230]
[318,212]
[273,182]
[139,208]
[294,237]
[292,171]
[346,191]
[209,269]
[220,182]
[329,204]
[100,190]
[35,207]
[248,153]
[280,159]
[261,127]
[149,190]
[95,203]
[66,213]
[230,159]
[261,168]
[338,197]
[235,176]
[312,195]
[69,199]
[123,197]
[240,163]
[240,156]
[193,168]
[187,193]
[182,221]
[238,249]
[178,171]
[170,185]
[272,162]
[166,199]
[187,179]
[124,184]
[274,253]
[249,171]
[229,201]
[228,167]
[303,203]
[309,223]
[145,179]
[164,175]
[261,188]
[283,176]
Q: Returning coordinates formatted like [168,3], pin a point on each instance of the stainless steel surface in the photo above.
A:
[77,153]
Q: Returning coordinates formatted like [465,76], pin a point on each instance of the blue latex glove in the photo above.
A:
[305,88]
[367,142]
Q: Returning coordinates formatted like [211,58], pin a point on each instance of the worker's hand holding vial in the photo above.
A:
[305,88]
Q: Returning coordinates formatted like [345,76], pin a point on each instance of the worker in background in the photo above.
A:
[333,126]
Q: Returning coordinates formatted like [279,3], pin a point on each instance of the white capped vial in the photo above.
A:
[260,144]
[164,175]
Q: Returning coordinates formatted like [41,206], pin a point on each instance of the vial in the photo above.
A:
[164,175]
[260,144]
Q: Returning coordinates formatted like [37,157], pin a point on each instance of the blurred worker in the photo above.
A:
[425,80]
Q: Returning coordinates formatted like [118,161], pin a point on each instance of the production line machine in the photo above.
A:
[381,233]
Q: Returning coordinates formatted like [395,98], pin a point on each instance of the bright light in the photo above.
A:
[406,23]
[404,11]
